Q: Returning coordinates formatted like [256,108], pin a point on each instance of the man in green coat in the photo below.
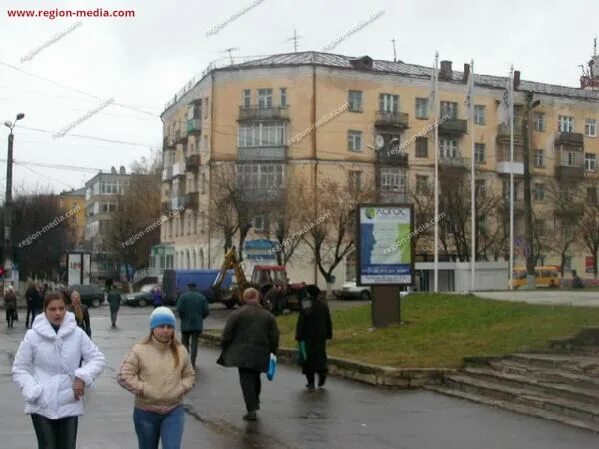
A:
[192,308]
[114,300]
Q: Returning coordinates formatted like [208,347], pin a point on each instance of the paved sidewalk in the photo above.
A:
[546,296]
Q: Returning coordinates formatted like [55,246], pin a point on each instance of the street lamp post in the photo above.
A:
[8,202]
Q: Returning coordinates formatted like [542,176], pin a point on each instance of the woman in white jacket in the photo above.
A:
[46,370]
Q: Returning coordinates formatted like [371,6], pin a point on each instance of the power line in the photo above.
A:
[44,176]
[60,166]
[101,139]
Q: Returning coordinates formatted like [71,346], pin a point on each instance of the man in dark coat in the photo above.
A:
[32,298]
[249,337]
[193,309]
[114,300]
[10,304]
[314,328]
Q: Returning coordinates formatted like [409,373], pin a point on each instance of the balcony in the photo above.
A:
[569,165]
[191,200]
[453,127]
[258,113]
[167,174]
[261,195]
[504,206]
[180,137]
[386,119]
[457,162]
[192,162]
[275,153]
[178,169]
[177,202]
[504,165]
[391,158]
[569,139]
[503,134]
[168,143]
[194,126]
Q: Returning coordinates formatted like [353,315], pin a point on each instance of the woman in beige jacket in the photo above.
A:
[159,373]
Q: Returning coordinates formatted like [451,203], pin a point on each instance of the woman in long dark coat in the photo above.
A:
[314,328]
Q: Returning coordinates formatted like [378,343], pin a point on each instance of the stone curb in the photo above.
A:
[380,376]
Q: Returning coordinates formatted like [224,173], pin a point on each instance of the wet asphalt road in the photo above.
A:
[346,415]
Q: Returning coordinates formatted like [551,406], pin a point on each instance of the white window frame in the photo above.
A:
[246,98]
[354,140]
[566,124]
[388,103]
[283,97]
[590,127]
[259,223]
[264,98]
[393,179]
[448,148]
[539,192]
[539,158]
[590,161]
[422,184]
[477,153]
[260,176]
[354,180]
[449,108]
[261,134]
[480,114]
[421,108]
[539,121]
[354,98]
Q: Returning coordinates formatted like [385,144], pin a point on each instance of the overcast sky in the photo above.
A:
[143,61]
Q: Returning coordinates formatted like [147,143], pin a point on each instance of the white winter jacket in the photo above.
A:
[47,363]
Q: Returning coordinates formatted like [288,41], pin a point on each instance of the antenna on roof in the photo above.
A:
[595,48]
[229,50]
[295,39]
[394,52]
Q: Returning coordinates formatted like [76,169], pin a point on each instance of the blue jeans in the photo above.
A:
[151,427]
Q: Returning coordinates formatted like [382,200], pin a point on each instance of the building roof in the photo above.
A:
[77,192]
[380,66]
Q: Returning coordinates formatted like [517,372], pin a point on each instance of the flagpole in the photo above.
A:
[436,180]
[472,180]
[511,116]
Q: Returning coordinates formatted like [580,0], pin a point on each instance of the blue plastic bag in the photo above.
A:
[272,367]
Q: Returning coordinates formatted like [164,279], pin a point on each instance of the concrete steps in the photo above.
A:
[559,386]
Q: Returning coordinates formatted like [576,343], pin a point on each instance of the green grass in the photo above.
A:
[439,330]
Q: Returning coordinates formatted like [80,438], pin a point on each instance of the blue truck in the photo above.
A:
[175,282]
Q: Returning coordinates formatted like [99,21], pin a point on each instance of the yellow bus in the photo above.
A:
[543,276]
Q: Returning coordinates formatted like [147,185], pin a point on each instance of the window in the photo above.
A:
[590,162]
[479,153]
[354,179]
[422,108]
[259,223]
[203,186]
[247,98]
[176,226]
[566,124]
[422,185]
[393,180]
[264,98]
[539,121]
[479,115]
[480,188]
[354,140]
[108,207]
[571,159]
[449,109]
[590,127]
[189,222]
[539,192]
[261,134]
[506,190]
[422,147]
[354,98]
[283,96]
[109,187]
[260,176]
[448,148]
[206,107]
[388,103]
[539,159]
[592,195]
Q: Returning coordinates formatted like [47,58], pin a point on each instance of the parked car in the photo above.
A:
[91,295]
[141,298]
[350,290]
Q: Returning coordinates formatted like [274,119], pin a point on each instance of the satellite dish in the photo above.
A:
[379,141]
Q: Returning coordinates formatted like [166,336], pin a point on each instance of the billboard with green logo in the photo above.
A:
[385,247]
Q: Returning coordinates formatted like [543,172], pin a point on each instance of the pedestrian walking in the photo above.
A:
[192,308]
[34,301]
[314,328]
[46,370]
[159,373]
[10,305]
[157,297]
[114,300]
[81,312]
[249,337]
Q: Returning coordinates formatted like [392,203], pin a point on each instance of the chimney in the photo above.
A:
[516,79]
[112,170]
[446,72]
[363,63]
[466,73]
[122,170]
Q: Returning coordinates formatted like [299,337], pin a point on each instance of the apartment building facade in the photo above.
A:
[73,202]
[259,117]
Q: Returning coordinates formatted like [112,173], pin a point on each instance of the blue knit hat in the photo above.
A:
[162,316]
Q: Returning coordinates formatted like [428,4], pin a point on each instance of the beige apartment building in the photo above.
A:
[259,117]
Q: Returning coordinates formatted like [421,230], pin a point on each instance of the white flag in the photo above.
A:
[505,107]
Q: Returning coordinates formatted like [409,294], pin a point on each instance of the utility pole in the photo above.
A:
[8,263]
[527,140]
